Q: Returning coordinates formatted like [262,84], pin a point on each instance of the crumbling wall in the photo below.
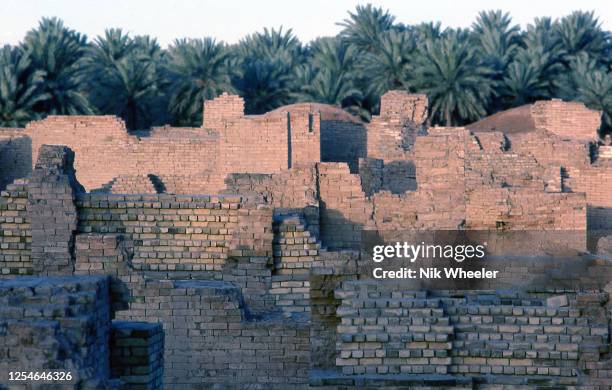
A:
[344,207]
[392,133]
[170,232]
[16,233]
[263,144]
[56,324]
[569,120]
[52,189]
[105,149]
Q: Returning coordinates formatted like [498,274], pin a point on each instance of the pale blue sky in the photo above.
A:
[229,20]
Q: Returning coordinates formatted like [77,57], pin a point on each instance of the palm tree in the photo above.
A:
[124,78]
[523,83]
[544,52]
[21,89]
[459,87]
[328,77]
[268,63]
[589,83]
[424,32]
[388,66]
[581,32]
[198,69]
[58,52]
[364,27]
[497,42]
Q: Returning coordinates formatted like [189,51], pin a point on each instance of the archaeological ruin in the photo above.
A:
[233,255]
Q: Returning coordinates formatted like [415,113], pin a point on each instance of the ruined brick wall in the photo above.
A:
[56,324]
[391,134]
[16,234]
[269,143]
[344,207]
[105,150]
[597,183]
[15,155]
[210,338]
[170,233]
[137,354]
[569,120]
[509,334]
[52,189]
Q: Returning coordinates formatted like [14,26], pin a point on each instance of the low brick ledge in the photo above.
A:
[335,378]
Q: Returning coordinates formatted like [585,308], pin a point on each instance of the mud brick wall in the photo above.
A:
[525,209]
[211,338]
[288,192]
[326,276]
[386,330]
[15,155]
[343,141]
[495,164]
[596,182]
[108,254]
[56,324]
[105,149]
[15,231]
[170,233]
[209,182]
[567,119]
[269,143]
[391,134]
[131,184]
[137,354]
[52,189]
[295,250]
[344,207]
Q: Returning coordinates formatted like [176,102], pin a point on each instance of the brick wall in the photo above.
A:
[137,354]
[16,234]
[388,331]
[570,120]
[15,155]
[56,324]
[105,150]
[391,134]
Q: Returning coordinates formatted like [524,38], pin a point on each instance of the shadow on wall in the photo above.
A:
[158,184]
[338,232]
[343,142]
[15,159]
[399,177]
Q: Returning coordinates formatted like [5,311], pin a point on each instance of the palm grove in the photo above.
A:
[466,73]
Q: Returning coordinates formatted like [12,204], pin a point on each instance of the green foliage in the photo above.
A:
[589,83]
[57,53]
[466,73]
[267,62]
[459,87]
[20,88]
[198,69]
[364,27]
[329,76]
[125,78]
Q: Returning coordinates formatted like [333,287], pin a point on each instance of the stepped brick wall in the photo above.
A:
[264,284]
[384,331]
